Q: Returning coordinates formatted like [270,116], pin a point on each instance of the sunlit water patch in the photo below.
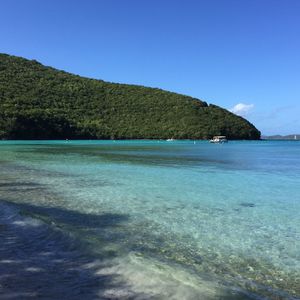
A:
[178,220]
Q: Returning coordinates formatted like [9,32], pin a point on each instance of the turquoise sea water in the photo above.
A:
[150,220]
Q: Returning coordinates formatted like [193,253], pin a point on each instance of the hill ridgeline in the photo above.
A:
[39,102]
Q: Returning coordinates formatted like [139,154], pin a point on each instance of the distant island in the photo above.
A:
[39,102]
[282,137]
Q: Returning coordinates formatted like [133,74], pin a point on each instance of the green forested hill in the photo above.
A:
[38,102]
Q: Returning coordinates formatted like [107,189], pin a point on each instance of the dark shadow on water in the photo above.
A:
[41,261]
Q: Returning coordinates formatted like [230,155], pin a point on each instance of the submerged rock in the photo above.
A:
[247,204]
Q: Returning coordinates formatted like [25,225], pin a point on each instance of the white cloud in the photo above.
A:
[242,109]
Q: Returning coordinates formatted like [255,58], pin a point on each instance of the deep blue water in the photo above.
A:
[150,219]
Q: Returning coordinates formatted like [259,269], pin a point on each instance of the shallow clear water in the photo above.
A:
[150,219]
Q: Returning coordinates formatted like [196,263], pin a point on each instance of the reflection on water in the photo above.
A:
[151,220]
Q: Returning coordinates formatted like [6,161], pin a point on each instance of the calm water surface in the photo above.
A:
[149,220]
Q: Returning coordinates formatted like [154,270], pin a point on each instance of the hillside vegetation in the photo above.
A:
[39,102]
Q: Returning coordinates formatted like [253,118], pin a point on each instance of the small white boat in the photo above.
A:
[219,139]
[170,140]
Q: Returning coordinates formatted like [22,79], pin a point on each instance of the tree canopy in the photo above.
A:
[39,102]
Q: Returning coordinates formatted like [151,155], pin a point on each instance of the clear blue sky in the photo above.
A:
[225,52]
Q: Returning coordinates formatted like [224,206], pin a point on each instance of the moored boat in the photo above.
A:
[219,139]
